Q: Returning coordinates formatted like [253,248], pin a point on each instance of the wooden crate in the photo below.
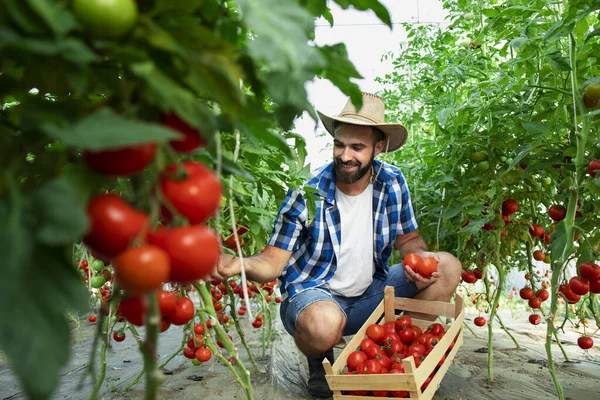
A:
[413,377]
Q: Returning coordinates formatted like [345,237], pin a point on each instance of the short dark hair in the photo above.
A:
[378,134]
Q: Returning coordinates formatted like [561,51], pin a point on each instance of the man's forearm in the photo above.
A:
[260,268]
[414,245]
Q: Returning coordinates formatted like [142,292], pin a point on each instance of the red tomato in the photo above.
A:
[428,267]
[589,271]
[196,196]
[595,286]
[133,310]
[436,329]
[189,353]
[509,206]
[539,255]
[579,286]
[414,262]
[389,327]
[164,324]
[585,342]
[535,302]
[389,337]
[375,332]
[125,161]
[119,336]
[166,302]
[478,273]
[557,213]
[394,347]
[192,138]
[535,319]
[417,330]
[199,329]
[184,312]
[193,250]
[384,361]
[572,298]
[355,358]
[257,323]
[366,343]
[381,393]
[526,293]
[372,367]
[92,318]
[403,322]
[536,230]
[468,277]
[479,321]
[203,354]
[373,352]
[141,270]
[407,335]
[593,166]
[114,224]
[547,238]
[403,394]
[543,294]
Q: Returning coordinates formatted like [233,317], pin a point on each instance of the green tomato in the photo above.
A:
[547,180]
[97,281]
[196,362]
[97,265]
[591,95]
[509,161]
[483,166]
[106,19]
[469,16]
[478,156]
[466,42]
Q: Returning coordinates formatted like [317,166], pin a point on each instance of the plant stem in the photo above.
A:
[560,346]
[102,352]
[149,349]
[507,332]
[592,302]
[240,372]
[238,328]
[494,306]
[471,329]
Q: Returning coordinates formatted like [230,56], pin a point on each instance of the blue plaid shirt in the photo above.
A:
[315,247]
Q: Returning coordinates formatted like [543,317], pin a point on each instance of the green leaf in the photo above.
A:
[340,70]
[180,6]
[559,30]
[535,128]
[282,33]
[24,17]
[38,286]
[169,95]
[586,253]
[54,14]
[453,210]
[558,243]
[61,214]
[558,61]
[106,130]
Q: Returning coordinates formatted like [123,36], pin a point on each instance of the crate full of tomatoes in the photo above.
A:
[396,356]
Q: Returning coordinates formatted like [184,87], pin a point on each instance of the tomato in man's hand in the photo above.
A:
[428,267]
[414,262]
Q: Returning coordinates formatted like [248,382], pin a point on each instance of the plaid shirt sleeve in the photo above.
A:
[290,222]
[408,220]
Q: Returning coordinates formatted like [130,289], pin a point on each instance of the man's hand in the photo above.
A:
[227,267]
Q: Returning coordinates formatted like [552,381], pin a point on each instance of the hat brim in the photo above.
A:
[396,133]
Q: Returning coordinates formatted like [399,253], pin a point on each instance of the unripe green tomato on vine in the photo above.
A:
[469,16]
[106,19]
[591,95]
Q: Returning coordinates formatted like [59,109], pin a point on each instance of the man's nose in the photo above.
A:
[346,155]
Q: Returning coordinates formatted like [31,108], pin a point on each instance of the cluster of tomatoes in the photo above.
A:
[422,266]
[144,259]
[384,347]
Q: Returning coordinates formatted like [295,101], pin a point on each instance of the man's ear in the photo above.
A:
[380,146]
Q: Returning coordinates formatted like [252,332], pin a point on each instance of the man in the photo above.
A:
[334,268]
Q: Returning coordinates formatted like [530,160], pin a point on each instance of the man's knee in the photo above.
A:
[450,270]
[320,325]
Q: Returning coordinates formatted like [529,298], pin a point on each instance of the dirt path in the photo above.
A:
[281,376]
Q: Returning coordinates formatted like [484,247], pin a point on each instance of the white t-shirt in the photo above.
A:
[355,266]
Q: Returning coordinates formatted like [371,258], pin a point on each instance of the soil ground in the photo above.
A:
[518,374]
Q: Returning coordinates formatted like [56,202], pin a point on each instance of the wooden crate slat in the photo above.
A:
[373,382]
[439,375]
[432,360]
[388,300]
[438,308]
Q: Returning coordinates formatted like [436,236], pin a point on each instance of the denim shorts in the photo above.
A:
[357,309]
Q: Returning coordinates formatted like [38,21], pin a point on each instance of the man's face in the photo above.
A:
[353,152]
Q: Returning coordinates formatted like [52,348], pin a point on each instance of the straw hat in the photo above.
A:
[371,114]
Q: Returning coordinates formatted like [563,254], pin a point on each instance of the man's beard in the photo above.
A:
[349,177]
